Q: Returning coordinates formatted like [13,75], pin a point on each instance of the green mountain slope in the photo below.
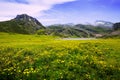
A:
[25,24]
[78,30]
[67,31]
[115,32]
[21,24]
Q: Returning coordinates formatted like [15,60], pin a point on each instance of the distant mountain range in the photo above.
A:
[78,30]
[25,24]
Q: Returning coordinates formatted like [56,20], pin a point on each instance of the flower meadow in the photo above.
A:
[33,57]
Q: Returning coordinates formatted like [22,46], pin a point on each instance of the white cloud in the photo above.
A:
[35,8]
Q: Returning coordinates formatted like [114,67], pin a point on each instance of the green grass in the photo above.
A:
[35,57]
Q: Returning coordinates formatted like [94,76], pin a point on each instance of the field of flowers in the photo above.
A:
[33,57]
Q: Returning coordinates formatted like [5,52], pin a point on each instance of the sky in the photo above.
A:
[62,11]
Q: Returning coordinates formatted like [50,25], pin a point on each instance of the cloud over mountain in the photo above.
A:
[10,8]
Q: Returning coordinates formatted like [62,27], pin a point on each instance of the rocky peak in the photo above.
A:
[24,17]
[23,23]
[27,18]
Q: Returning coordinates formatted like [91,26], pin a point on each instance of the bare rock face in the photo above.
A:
[29,20]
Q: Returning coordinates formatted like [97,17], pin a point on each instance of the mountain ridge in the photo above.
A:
[23,24]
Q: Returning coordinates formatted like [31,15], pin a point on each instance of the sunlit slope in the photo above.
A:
[23,24]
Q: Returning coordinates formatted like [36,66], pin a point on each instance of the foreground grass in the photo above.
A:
[33,57]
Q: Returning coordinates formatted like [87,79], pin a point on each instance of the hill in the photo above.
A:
[68,31]
[78,30]
[25,24]
[115,31]
[21,24]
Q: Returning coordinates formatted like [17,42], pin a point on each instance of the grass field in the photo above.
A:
[35,57]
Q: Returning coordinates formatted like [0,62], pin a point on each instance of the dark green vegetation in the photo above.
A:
[78,30]
[68,31]
[115,33]
[23,24]
[94,29]
[36,57]
[116,26]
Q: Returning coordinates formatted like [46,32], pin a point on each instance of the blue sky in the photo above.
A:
[62,11]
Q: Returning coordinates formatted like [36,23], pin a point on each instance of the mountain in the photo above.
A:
[94,29]
[67,31]
[102,23]
[23,23]
[115,31]
[26,24]
[78,30]
[116,26]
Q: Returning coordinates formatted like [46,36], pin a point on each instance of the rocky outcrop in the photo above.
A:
[29,20]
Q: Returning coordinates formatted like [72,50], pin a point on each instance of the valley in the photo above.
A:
[30,51]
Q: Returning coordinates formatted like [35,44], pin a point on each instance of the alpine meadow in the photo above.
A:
[59,40]
[35,57]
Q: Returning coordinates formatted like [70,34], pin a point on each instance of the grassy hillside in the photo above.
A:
[34,57]
[22,24]
[68,31]
[78,30]
[94,29]
[25,24]
[17,27]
